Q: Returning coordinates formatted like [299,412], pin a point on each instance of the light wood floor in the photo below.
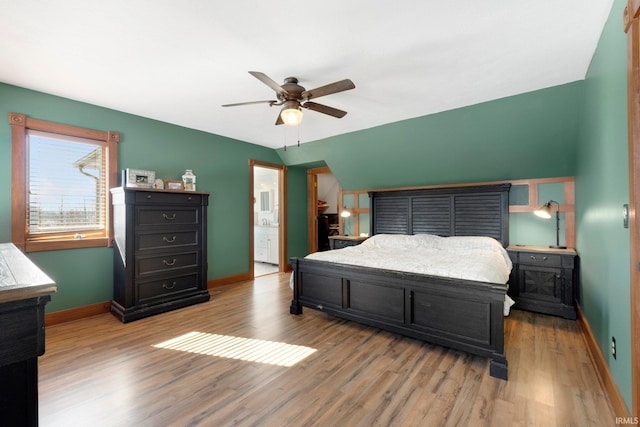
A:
[100,372]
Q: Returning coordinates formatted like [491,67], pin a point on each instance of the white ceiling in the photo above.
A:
[180,61]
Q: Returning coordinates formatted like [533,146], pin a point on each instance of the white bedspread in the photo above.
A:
[475,258]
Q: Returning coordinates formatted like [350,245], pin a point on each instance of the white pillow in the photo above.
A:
[428,241]
[402,241]
[390,241]
[476,243]
[469,242]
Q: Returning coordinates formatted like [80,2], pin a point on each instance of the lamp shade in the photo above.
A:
[544,211]
[291,114]
[345,214]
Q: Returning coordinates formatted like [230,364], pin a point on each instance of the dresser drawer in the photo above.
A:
[166,240]
[541,259]
[166,216]
[149,197]
[150,291]
[146,265]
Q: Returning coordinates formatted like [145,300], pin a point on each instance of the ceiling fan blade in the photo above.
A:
[249,103]
[268,81]
[324,109]
[279,120]
[336,87]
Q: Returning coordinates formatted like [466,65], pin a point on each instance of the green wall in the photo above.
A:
[298,238]
[84,276]
[602,187]
[533,135]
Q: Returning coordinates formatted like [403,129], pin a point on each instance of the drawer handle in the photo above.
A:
[544,258]
[167,263]
[173,239]
[169,218]
[148,196]
[169,286]
[189,198]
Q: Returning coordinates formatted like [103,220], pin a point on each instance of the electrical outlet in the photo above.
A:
[613,347]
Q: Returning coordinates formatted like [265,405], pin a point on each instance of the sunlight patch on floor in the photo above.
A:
[248,349]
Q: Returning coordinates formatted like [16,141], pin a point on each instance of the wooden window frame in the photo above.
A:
[355,211]
[20,125]
[567,207]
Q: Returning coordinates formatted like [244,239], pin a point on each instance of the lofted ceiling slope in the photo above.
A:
[178,62]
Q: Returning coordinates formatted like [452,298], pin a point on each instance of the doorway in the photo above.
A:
[267,226]
[323,191]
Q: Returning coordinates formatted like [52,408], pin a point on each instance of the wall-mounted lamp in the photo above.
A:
[545,212]
[345,214]
[291,113]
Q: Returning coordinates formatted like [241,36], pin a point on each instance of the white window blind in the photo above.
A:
[66,184]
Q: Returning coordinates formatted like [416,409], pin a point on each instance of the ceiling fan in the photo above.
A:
[294,97]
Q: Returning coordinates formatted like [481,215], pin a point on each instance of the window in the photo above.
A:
[61,176]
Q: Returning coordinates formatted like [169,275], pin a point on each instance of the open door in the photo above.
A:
[322,212]
[267,218]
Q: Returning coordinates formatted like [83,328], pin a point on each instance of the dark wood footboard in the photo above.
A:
[460,314]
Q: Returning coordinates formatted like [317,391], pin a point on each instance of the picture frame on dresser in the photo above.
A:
[174,185]
[138,178]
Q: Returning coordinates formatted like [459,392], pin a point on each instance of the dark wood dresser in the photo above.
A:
[543,280]
[160,251]
[24,291]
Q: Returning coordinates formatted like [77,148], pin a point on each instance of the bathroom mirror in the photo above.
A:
[265,201]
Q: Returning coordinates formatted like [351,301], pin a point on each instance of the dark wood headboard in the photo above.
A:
[481,210]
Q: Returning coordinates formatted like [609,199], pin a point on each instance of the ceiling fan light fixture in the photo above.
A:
[291,114]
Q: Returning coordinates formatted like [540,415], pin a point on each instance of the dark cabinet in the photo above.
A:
[160,251]
[24,291]
[543,280]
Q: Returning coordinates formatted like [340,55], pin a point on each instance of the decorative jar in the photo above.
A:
[189,180]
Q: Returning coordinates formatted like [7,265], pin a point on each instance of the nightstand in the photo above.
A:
[543,280]
[338,242]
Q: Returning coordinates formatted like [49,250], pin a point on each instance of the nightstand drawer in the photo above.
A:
[542,259]
[339,242]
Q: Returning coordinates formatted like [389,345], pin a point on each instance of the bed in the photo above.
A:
[465,314]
